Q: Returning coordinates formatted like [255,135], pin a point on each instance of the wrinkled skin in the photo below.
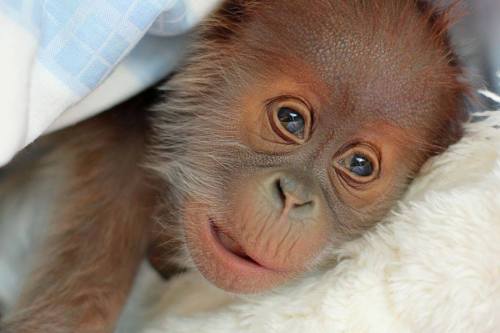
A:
[273,204]
[292,127]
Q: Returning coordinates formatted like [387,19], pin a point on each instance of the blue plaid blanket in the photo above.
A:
[63,60]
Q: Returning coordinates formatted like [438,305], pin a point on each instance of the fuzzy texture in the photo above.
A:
[432,266]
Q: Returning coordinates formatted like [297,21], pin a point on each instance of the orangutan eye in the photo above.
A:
[291,119]
[360,165]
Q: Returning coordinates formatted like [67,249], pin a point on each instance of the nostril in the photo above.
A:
[300,205]
[286,190]
[280,191]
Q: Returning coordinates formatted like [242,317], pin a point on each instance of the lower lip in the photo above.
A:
[231,262]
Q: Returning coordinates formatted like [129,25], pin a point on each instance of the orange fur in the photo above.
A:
[88,262]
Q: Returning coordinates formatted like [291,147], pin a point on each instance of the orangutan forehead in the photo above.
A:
[339,36]
[387,56]
[350,36]
[312,20]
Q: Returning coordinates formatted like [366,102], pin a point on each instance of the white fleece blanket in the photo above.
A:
[432,266]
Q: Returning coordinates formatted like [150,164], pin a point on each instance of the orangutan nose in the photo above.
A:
[295,194]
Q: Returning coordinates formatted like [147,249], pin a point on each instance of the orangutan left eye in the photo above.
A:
[359,164]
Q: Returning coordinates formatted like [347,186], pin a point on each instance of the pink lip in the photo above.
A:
[233,262]
[239,252]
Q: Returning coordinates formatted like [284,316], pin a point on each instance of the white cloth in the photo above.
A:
[63,61]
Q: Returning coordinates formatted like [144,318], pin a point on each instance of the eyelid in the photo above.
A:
[358,145]
[288,98]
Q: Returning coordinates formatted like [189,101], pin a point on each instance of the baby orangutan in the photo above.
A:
[292,127]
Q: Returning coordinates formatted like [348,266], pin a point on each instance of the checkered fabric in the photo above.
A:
[64,60]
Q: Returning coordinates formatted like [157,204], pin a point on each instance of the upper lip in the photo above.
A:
[239,251]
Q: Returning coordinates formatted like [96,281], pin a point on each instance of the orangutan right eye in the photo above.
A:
[291,120]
